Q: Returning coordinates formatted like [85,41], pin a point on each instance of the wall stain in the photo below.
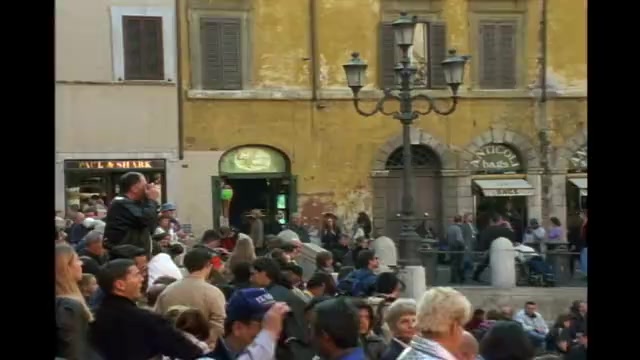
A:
[345,206]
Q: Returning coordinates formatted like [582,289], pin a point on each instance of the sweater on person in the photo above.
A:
[196,293]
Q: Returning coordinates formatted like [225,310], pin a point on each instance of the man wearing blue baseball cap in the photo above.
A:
[252,327]
[168,211]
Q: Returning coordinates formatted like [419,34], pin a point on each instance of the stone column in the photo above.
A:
[60,186]
[457,198]
[172,180]
[559,196]
[465,193]
[534,202]
[449,197]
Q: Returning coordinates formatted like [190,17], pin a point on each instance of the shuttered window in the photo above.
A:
[143,49]
[497,50]
[427,54]
[221,51]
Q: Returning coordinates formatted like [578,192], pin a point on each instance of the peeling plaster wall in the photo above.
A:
[331,147]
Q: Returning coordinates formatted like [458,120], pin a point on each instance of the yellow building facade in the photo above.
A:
[281,91]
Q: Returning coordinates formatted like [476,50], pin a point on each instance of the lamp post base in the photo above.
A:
[412,271]
[414,278]
[409,243]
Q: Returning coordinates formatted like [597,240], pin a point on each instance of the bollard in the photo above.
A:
[503,264]
[307,259]
[385,250]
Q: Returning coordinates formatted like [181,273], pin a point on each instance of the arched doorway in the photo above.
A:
[427,170]
[259,177]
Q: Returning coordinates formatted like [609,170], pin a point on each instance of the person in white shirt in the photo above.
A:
[164,226]
[535,235]
[162,265]
[533,324]
[524,253]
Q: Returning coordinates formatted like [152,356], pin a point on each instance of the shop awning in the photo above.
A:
[505,187]
[581,183]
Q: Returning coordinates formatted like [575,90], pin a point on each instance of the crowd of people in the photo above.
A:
[131,285]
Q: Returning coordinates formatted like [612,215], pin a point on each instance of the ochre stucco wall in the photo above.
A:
[332,148]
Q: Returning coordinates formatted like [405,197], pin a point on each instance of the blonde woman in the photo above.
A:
[442,314]
[244,252]
[72,313]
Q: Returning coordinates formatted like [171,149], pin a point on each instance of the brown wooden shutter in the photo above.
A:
[437,54]
[388,61]
[507,55]
[488,68]
[498,55]
[143,48]
[221,46]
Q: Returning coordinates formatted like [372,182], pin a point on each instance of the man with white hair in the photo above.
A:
[442,314]
[469,347]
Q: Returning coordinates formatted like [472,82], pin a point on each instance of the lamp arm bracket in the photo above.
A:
[451,109]
[379,108]
[428,99]
[432,106]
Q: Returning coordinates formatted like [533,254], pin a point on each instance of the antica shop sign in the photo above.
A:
[114,164]
[496,157]
[253,159]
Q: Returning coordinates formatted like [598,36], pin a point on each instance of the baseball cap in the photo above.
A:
[167,207]
[249,304]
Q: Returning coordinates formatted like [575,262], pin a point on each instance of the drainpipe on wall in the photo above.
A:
[544,132]
[179,79]
[313,37]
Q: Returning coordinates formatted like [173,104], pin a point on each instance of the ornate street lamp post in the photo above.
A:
[453,68]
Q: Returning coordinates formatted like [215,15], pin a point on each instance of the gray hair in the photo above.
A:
[398,309]
[92,236]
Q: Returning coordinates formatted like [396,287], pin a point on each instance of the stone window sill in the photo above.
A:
[366,93]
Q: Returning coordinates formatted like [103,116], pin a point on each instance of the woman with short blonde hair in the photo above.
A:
[442,314]
[72,313]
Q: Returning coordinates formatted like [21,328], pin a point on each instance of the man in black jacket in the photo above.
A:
[132,217]
[122,331]
[294,342]
[493,231]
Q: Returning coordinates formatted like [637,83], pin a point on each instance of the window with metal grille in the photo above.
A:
[422,157]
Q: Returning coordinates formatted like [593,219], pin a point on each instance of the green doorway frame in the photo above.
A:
[216,188]
[232,167]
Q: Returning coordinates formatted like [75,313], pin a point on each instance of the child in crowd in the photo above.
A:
[88,286]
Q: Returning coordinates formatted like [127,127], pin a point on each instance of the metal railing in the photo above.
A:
[559,268]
